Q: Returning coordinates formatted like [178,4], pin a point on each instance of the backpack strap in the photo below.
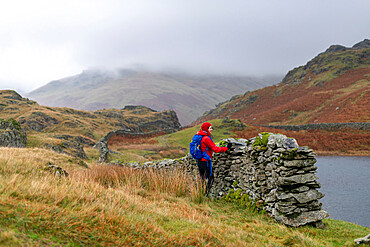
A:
[209,160]
[205,152]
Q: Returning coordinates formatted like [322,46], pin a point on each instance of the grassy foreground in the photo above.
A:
[106,205]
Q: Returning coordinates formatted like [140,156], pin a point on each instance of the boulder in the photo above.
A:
[364,240]
[276,140]
[302,219]
[290,143]
[56,170]
[281,141]
[102,146]
[38,121]
[11,134]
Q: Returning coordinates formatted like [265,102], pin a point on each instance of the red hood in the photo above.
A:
[203,133]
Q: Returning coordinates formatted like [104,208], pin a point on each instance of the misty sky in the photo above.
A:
[44,40]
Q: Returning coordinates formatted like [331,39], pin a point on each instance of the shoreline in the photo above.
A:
[337,153]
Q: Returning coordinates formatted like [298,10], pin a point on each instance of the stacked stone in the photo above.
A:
[293,197]
[187,164]
[274,170]
[229,167]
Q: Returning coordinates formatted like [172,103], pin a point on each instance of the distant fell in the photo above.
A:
[333,87]
[188,95]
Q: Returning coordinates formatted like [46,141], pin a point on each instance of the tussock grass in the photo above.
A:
[112,205]
[173,182]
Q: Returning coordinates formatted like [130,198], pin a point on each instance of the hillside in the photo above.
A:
[341,141]
[42,120]
[188,95]
[331,88]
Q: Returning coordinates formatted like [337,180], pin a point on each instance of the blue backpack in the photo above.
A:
[195,150]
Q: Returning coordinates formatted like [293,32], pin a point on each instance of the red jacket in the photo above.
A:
[207,142]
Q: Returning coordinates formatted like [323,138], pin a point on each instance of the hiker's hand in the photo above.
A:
[229,145]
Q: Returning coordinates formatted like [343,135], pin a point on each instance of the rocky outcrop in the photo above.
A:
[322,62]
[11,134]
[33,117]
[138,109]
[336,48]
[270,169]
[362,45]
[56,170]
[165,121]
[10,94]
[71,148]
[102,146]
[38,121]
[161,126]
[236,124]
[80,139]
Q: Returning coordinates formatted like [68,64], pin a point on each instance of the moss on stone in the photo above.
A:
[265,137]
[221,144]
[262,141]
[257,142]
[293,153]
[16,125]
[289,155]
[11,122]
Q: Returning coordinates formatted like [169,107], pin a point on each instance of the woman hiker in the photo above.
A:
[205,165]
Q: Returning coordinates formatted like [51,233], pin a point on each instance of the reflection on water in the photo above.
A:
[345,181]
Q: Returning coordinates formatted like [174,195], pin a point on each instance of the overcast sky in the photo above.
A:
[45,40]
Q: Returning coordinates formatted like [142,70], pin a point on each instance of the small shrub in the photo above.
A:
[236,196]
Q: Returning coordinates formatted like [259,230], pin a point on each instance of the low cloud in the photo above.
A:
[45,40]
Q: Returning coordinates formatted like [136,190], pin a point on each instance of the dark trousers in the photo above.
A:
[205,173]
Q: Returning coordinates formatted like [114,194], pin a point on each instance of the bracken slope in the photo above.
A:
[333,87]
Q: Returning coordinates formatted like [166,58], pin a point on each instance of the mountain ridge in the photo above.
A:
[188,95]
[334,86]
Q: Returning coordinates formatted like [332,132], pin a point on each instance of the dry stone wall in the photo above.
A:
[275,171]
[271,169]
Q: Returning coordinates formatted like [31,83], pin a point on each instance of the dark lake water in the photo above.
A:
[345,181]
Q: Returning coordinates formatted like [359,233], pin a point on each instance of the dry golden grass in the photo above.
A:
[118,206]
